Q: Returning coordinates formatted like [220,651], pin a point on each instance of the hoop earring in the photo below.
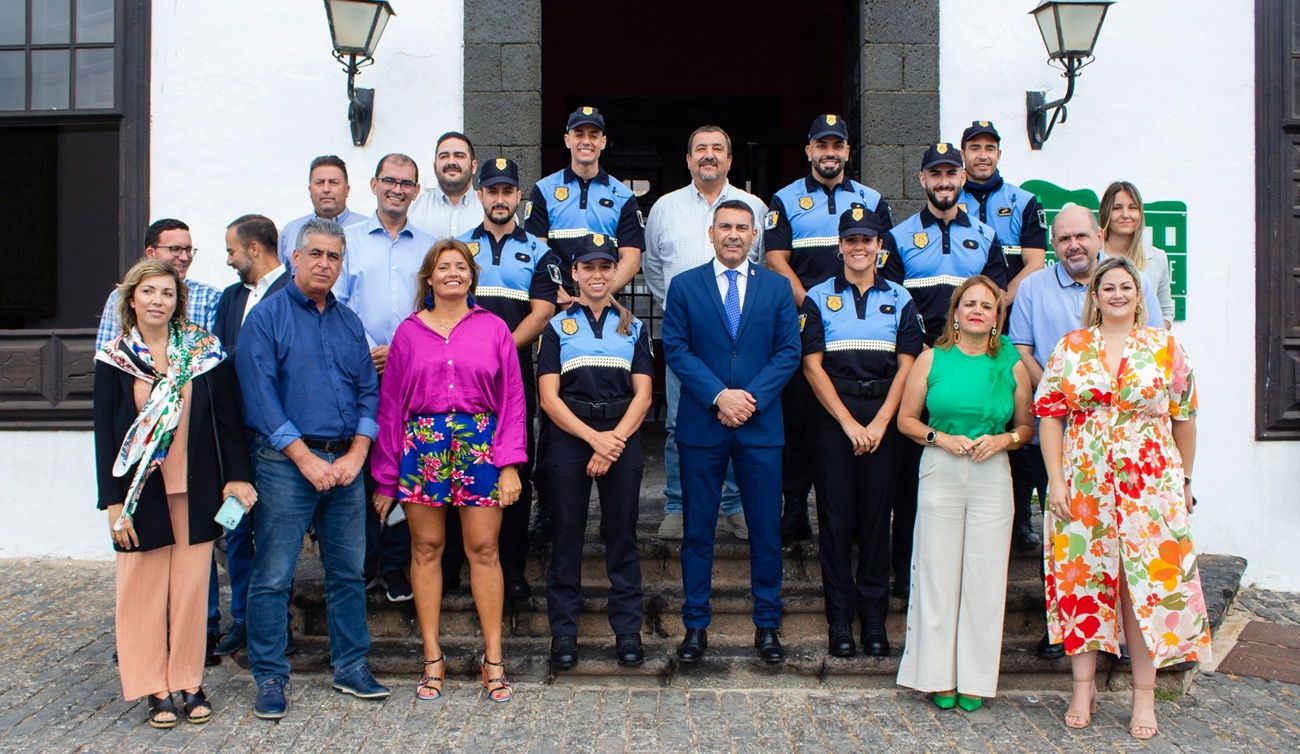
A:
[993,333]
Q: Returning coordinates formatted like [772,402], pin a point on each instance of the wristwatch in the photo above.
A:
[1016,442]
[931,437]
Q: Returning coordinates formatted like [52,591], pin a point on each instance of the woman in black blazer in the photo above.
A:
[169,446]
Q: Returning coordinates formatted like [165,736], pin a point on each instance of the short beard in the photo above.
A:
[829,174]
[505,221]
[456,187]
[943,205]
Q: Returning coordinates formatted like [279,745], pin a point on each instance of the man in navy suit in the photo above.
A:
[731,334]
[251,250]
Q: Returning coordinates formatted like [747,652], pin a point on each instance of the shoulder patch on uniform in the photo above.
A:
[640,218]
[921,240]
[1042,219]
[569,326]
[805,202]
[561,193]
[803,320]
[920,322]
[769,220]
[528,209]
[605,201]
[962,206]
[970,243]
[882,256]
[554,271]
[1004,212]
[834,303]
[473,247]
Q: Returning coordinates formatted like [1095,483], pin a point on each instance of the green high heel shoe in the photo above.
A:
[969,703]
[944,701]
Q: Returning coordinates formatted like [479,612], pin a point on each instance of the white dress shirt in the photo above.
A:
[434,212]
[258,290]
[677,234]
[742,280]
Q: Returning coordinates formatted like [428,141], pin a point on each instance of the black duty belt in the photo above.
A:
[868,389]
[329,446]
[599,409]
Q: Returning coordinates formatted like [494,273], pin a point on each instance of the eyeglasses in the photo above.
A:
[390,182]
[180,251]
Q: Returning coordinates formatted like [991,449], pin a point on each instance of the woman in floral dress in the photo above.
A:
[451,435]
[1117,405]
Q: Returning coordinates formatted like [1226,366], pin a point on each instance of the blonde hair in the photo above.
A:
[948,338]
[1135,253]
[423,291]
[1092,312]
[148,268]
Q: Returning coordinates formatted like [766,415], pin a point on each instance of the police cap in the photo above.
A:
[500,170]
[595,246]
[978,127]
[828,125]
[941,153]
[858,221]
[585,116]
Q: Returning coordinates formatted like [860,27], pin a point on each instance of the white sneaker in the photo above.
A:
[671,528]
[738,525]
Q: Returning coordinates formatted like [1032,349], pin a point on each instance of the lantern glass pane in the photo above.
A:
[352,22]
[1046,18]
[1079,25]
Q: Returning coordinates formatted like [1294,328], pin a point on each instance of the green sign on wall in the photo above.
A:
[1166,223]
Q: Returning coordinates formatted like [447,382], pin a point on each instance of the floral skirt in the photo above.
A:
[447,460]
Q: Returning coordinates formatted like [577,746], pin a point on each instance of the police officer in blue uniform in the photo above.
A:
[800,234]
[861,334]
[582,199]
[1018,220]
[594,379]
[518,279]
[930,254]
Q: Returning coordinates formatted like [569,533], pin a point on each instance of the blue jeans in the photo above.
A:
[672,460]
[287,505]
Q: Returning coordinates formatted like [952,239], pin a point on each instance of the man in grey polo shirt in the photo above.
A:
[1049,304]
[676,236]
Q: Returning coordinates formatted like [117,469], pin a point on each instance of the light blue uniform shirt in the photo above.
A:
[378,277]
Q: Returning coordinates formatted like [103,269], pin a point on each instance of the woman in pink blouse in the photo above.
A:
[451,433]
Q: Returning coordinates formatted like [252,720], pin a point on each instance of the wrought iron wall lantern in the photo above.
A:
[1069,29]
[355,28]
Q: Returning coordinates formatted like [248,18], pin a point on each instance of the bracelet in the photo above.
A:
[1186,479]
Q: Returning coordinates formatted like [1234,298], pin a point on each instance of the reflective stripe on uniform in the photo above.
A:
[1011,250]
[569,233]
[810,241]
[930,282]
[496,291]
[595,361]
[860,345]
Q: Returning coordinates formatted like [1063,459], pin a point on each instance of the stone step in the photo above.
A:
[397,661]
[804,612]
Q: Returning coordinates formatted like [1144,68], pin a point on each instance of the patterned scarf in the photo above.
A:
[191,351]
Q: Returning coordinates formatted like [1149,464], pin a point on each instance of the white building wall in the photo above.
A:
[1168,104]
[243,95]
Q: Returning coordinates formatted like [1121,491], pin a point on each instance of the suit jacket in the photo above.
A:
[230,311]
[209,434]
[700,351]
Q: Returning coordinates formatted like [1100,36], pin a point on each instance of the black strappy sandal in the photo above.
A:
[160,706]
[191,702]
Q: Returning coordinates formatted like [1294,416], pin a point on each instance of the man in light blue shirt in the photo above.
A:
[1049,304]
[378,283]
[167,240]
[327,182]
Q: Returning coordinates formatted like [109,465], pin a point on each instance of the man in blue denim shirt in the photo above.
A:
[310,393]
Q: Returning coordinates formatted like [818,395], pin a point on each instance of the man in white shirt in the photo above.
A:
[677,239]
[327,183]
[451,208]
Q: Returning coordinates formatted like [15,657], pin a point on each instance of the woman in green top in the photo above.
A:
[972,385]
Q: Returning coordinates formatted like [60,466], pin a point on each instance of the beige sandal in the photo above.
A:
[1137,725]
[1083,719]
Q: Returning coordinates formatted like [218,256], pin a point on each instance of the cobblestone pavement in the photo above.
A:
[59,692]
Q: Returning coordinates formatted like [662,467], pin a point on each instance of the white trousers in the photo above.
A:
[960,549]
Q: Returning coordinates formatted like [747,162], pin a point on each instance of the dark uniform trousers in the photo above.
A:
[905,489]
[853,505]
[512,543]
[619,491]
[798,405]
[1028,473]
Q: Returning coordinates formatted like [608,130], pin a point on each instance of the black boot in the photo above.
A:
[875,643]
[1023,536]
[794,519]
